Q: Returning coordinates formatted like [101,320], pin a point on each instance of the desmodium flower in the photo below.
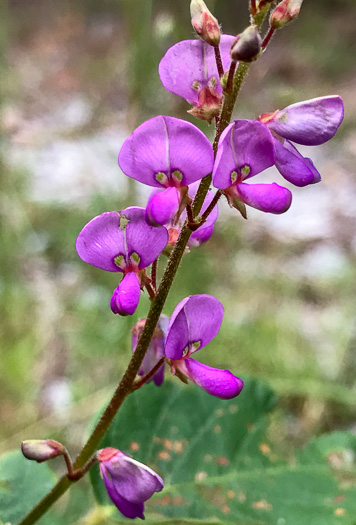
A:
[155,350]
[189,70]
[122,241]
[128,482]
[166,152]
[194,323]
[163,207]
[245,149]
[310,123]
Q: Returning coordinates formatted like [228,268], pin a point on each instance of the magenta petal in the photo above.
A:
[311,122]
[162,206]
[133,480]
[126,296]
[127,508]
[201,235]
[160,147]
[270,198]
[293,166]
[192,62]
[101,240]
[177,338]
[212,218]
[196,319]
[141,238]
[245,149]
[216,382]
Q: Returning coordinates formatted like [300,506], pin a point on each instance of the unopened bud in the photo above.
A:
[247,45]
[41,449]
[284,13]
[204,23]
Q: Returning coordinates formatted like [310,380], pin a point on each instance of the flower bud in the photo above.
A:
[284,13]
[41,449]
[247,45]
[204,23]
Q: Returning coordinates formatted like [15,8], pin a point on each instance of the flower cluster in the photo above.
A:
[172,156]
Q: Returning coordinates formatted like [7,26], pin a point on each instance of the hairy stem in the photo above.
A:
[268,37]
[218,60]
[154,274]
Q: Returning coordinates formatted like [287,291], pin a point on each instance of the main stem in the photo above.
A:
[127,381]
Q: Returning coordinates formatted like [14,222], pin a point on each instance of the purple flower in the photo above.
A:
[128,482]
[155,351]
[166,152]
[122,241]
[194,323]
[189,70]
[309,123]
[162,209]
[245,149]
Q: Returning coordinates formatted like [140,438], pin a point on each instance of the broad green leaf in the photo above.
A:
[22,484]
[186,435]
[218,467]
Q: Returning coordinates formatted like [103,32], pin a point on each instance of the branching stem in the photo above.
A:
[148,376]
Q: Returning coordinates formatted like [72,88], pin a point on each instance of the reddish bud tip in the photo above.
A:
[284,13]
[41,449]
[204,23]
[247,45]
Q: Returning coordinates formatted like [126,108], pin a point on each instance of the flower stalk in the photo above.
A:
[85,459]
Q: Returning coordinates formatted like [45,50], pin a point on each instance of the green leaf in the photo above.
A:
[186,435]
[22,484]
[218,467]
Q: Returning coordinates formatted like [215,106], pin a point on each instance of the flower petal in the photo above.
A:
[216,382]
[162,206]
[120,233]
[270,198]
[101,240]
[195,319]
[126,296]
[311,122]
[201,235]
[141,238]
[127,508]
[177,336]
[193,188]
[192,63]
[295,168]
[133,480]
[163,146]
[245,149]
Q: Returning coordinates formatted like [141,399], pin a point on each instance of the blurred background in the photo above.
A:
[76,78]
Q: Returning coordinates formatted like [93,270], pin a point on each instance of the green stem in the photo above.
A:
[127,381]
